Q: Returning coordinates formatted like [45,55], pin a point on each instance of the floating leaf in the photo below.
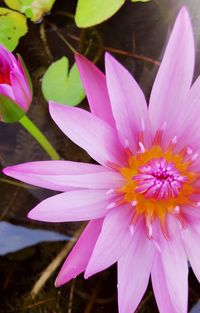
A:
[14,4]
[10,112]
[92,12]
[61,85]
[12,28]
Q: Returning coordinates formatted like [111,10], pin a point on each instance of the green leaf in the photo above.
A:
[10,112]
[14,4]
[61,85]
[92,12]
[12,28]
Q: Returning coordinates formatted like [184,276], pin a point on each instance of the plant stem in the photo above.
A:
[49,270]
[40,138]
[15,183]
[122,52]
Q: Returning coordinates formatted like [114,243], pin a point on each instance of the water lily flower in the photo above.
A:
[16,97]
[143,200]
[14,81]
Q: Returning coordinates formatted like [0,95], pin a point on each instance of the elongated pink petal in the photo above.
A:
[77,205]
[112,242]
[94,82]
[78,258]
[7,56]
[190,133]
[21,89]
[56,168]
[174,77]
[22,68]
[102,180]
[128,103]
[65,175]
[175,268]
[191,239]
[160,288]
[89,132]
[134,268]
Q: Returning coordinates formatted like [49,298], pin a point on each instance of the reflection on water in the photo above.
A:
[14,237]
[137,28]
[196,308]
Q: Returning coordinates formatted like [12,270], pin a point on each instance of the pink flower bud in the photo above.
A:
[14,79]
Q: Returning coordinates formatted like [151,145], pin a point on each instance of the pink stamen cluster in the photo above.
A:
[159,179]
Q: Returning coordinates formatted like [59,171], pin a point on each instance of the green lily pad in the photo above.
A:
[12,28]
[92,12]
[63,85]
[14,4]
[10,112]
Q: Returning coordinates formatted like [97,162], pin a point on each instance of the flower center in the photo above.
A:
[159,179]
[158,182]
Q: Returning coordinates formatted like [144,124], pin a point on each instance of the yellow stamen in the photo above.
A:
[154,207]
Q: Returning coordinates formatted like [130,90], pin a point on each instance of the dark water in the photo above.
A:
[140,29]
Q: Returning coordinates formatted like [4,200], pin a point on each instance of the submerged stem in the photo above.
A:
[15,183]
[49,270]
[66,42]
[40,138]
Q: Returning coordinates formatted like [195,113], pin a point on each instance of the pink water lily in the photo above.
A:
[14,82]
[143,199]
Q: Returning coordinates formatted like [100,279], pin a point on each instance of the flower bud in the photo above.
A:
[15,86]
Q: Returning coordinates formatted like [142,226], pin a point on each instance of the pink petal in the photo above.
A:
[134,268]
[160,288]
[191,239]
[6,90]
[113,240]
[7,56]
[94,82]
[174,77]
[89,132]
[192,215]
[22,68]
[128,103]
[21,89]
[77,205]
[78,258]
[190,133]
[65,175]
[175,268]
